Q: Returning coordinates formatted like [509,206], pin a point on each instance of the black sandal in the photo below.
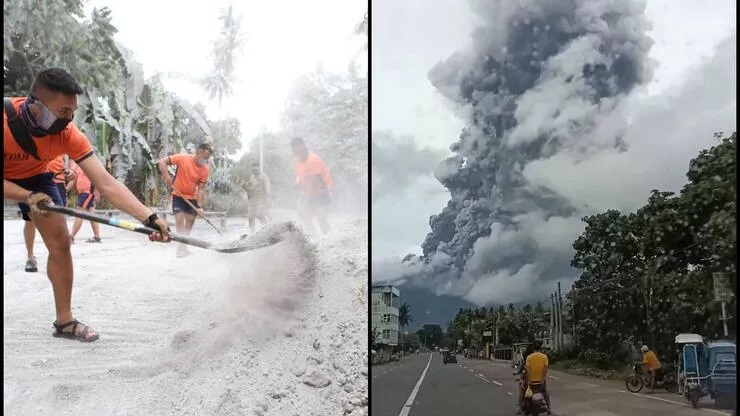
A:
[82,337]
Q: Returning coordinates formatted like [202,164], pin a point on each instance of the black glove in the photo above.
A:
[158,224]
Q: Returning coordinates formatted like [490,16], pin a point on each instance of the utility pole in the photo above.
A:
[573,312]
[552,322]
[498,319]
[648,303]
[722,295]
[560,316]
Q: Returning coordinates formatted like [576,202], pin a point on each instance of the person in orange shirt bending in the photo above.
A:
[36,130]
[315,185]
[189,183]
[86,197]
[60,169]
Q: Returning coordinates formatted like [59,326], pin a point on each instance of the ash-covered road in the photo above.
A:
[278,331]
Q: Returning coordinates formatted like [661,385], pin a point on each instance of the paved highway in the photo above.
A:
[420,385]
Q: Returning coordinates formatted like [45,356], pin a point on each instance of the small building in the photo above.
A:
[385,301]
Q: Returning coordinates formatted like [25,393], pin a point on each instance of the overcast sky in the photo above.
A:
[691,96]
[285,38]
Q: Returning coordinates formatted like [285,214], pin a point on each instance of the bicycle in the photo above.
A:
[663,379]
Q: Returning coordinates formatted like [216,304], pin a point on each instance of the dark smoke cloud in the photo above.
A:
[543,77]
[399,162]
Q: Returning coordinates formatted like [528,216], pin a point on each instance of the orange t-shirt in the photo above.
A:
[313,175]
[82,182]
[188,176]
[651,360]
[20,165]
[56,167]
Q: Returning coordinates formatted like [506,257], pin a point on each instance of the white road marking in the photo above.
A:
[407,407]
[509,393]
[554,378]
[717,412]
[590,385]
[482,378]
[674,402]
[496,383]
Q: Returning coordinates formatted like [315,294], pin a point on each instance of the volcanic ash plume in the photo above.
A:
[542,78]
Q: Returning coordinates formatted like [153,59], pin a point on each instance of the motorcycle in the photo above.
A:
[534,404]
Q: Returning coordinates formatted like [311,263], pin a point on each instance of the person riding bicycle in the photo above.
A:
[652,365]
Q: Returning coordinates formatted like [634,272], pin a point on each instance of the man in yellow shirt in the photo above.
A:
[652,365]
[537,364]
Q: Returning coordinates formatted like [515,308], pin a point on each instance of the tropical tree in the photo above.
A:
[404,318]
[131,121]
[329,111]
[513,325]
[219,84]
[404,315]
[649,275]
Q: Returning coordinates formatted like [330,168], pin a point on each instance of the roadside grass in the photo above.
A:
[619,371]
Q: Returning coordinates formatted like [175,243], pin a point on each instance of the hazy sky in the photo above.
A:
[691,96]
[284,39]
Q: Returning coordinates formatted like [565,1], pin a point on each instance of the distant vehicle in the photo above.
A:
[449,357]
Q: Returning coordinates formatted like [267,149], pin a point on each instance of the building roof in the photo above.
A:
[385,289]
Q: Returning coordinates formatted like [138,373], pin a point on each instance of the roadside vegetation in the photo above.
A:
[133,120]
[645,276]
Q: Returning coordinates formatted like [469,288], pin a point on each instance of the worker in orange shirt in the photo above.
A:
[59,168]
[315,185]
[189,183]
[36,130]
[87,195]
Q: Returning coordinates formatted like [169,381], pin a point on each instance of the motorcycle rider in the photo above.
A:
[652,364]
[536,364]
[523,375]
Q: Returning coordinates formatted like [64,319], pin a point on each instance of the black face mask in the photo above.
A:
[44,124]
[58,125]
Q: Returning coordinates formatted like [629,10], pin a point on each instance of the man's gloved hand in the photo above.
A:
[161,226]
[37,198]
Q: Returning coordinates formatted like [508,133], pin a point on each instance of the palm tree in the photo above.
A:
[404,316]
[220,83]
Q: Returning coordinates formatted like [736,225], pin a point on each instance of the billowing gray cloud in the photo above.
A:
[557,127]
[398,162]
